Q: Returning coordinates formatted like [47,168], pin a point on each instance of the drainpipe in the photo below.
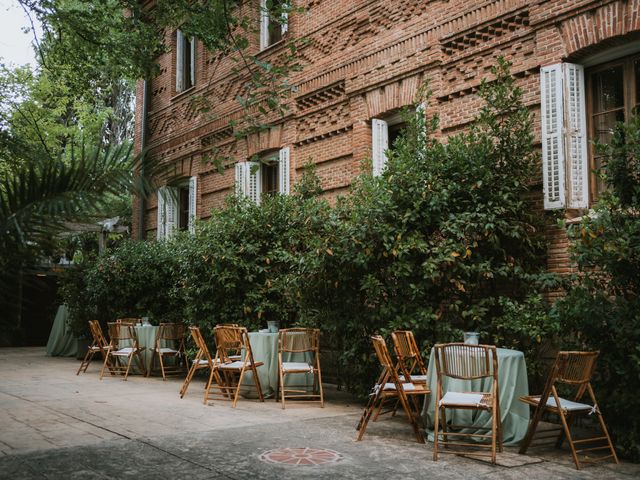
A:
[143,146]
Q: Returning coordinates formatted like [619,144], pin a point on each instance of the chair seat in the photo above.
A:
[415,378]
[452,399]
[290,367]
[407,387]
[566,405]
[124,351]
[202,361]
[237,365]
[94,348]
[165,350]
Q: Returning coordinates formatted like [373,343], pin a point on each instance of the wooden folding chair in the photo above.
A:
[123,346]
[467,362]
[169,343]
[200,361]
[225,380]
[574,371]
[99,344]
[132,321]
[297,342]
[389,386]
[410,365]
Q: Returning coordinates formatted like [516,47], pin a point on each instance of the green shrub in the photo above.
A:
[602,308]
[442,242]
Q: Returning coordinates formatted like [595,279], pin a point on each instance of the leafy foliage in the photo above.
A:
[443,241]
[601,310]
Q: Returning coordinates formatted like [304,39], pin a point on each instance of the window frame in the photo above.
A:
[267,24]
[184,62]
[630,101]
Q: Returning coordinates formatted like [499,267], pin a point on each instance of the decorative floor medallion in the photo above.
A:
[301,456]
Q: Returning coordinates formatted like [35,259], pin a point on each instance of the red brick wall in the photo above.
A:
[365,58]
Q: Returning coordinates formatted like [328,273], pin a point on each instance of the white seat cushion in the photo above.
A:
[458,398]
[124,351]
[567,405]
[415,378]
[289,366]
[166,350]
[233,365]
[203,361]
[407,387]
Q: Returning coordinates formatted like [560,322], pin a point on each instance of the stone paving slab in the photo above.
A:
[56,425]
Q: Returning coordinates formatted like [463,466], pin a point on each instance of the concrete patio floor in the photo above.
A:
[56,425]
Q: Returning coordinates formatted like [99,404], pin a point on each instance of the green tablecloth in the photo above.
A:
[147,339]
[265,349]
[512,384]
[61,341]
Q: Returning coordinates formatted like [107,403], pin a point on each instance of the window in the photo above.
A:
[274,22]
[185,62]
[384,133]
[570,100]
[177,208]
[268,176]
[613,96]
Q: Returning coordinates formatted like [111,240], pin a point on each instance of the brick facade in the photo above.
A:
[367,58]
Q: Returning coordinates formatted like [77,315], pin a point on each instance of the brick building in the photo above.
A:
[578,62]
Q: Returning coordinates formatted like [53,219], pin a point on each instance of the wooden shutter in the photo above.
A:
[551,99]
[241,179]
[193,203]
[284,27]
[160,229]
[192,60]
[380,138]
[264,25]
[254,184]
[179,61]
[284,171]
[577,164]
[171,207]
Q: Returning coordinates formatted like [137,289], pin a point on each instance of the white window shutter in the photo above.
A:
[192,60]
[284,171]
[179,61]
[576,136]
[161,214]
[241,179]
[264,25]
[380,138]
[553,158]
[254,187]
[171,207]
[193,203]
[284,27]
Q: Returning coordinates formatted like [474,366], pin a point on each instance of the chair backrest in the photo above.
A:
[407,352]
[171,331]
[467,362]
[299,340]
[120,333]
[96,332]
[231,341]
[201,345]
[382,352]
[575,368]
[129,321]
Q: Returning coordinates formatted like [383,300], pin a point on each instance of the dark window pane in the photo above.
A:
[604,124]
[636,73]
[183,208]
[608,89]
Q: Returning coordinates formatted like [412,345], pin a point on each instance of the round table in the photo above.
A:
[264,347]
[512,384]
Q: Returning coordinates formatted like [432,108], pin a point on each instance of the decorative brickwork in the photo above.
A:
[366,58]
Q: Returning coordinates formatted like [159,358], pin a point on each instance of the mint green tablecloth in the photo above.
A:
[512,384]
[265,349]
[61,341]
[146,339]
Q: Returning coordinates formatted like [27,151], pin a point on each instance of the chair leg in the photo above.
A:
[256,379]
[567,433]
[281,386]
[320,386]
[129,362]
[140,363]
[187,381]
[104,365]
[85,361]
[237,392]
[494,431]
[161,359]
[366,416]
[531,430]
[436,429]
